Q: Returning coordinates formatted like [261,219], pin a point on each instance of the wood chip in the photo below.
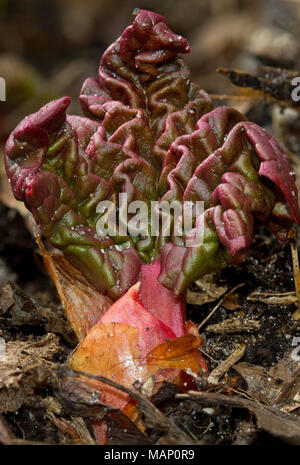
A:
[272,84]
[203,322]
[76,428]
[295,259]
[6,298]
[6,436]
[290,407]
[28,365]
[224,366]
[272,420]
[285,298]
[231,302]
[261,386]
[233,326]
[296,315]
[209,291]
[297,397]
[148,387]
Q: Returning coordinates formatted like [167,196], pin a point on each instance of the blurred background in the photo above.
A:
[48,47]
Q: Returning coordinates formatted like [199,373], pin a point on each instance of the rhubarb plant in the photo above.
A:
[149,132]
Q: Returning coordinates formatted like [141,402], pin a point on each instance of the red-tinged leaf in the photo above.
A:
[30,137]
[129,344]
[180,353]
[111,350]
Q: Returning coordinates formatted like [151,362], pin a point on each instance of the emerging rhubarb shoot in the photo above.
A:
[148,132]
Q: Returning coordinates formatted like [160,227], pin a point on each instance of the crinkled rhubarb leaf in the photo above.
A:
[243,177]
[50,172]
[151,133]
